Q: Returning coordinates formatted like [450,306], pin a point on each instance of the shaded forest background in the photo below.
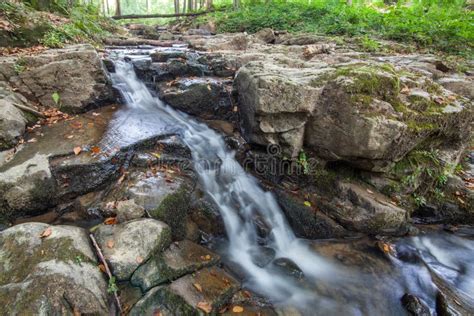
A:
[435,25]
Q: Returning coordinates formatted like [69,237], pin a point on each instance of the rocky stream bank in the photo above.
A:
[371,149]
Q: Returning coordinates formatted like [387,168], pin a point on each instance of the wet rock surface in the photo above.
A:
[128,245]
[390,111]
[182,257]
[53,274]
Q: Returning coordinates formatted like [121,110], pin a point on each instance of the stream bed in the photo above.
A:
[344,277]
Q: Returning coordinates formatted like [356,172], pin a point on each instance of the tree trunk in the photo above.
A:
[118,11]
[236,4]
[176,6]
[148,6]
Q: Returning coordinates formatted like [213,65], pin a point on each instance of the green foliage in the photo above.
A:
[112,287]
[419,200]
[303,161]
[85,25]
[56,98]
[428,24]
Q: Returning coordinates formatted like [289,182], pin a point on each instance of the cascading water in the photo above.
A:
[240,199]
[236,193]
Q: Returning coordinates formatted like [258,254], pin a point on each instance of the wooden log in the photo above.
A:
[149,16]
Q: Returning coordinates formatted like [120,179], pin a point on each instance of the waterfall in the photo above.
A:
[236,193]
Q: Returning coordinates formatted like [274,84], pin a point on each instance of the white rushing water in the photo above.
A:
[236,193]
[328,287]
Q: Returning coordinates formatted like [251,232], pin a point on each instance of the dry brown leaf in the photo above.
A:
[33,140]
[139,259]
[110,221]
[157,313]
[110,243]
[102,268]
[204,306]
[47,232]
[237,309]
[198,287]
[77,150]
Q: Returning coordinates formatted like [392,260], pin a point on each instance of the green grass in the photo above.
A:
[448,28]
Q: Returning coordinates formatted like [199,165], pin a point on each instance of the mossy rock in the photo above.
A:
[43,275]
[173,210]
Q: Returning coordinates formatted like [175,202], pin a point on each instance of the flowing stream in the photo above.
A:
[240,199]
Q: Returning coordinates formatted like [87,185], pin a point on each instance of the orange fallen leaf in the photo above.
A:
[237,309]
[95,149]
[47,232]
[102,268]
[77,150]
[110,243]
[198,287]
[139,259]
[207,257]
[204,306]
[110,221]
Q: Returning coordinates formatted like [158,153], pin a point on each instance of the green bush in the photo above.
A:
[437,25]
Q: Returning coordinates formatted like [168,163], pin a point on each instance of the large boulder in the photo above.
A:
[49,270]
[367,114]
[203,97]
[275,102]
[12,120]
[358,208]
[74,73]
[381,114]
[126,246]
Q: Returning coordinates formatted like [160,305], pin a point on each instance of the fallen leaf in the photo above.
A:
[198,287]
[95,149]
[307,203]
[370,192]
[207,257]
[139,259]
[235,109]
[70,136]
[95,114]
[110,243]
[77,150]
[102,268]
[110,221]
[33,140]
[157,313]
[122,177]
[47,232]
[204,306]
[237,309]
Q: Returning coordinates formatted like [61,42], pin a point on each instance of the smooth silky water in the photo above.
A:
[371,284]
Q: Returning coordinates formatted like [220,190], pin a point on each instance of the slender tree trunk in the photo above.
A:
[107,6]
[118,11]
[148,6]
[176,6]
[236,4]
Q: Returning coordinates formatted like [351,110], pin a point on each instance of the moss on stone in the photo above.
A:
[173,211]
[61,249]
